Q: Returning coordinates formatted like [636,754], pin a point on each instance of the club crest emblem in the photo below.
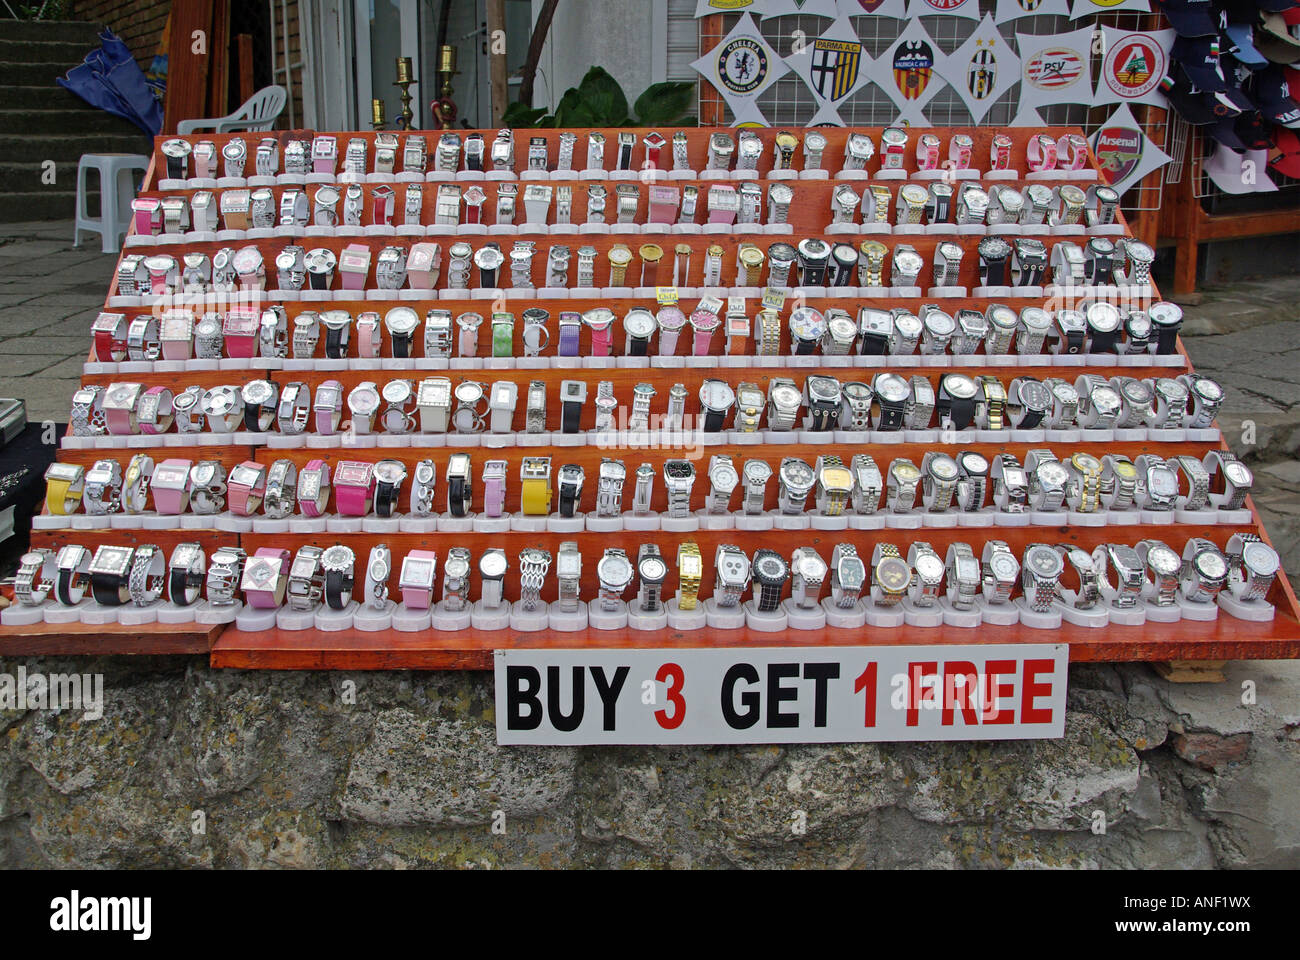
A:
[1118,150]
[1134,66]
[742,65]
[1054,68]
[835,66]
[981,74]
[913,68]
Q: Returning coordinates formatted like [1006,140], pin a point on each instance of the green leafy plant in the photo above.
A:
[599,101]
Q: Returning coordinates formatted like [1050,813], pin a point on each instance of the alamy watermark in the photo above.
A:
[57,692]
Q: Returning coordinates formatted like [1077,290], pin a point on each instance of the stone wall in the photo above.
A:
[281,770]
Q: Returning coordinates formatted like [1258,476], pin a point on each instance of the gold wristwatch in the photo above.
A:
[690,570]
[873,253]
[619,258]
[751,262]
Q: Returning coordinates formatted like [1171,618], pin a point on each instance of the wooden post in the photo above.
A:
[244,42]
[496,28]
[219,55]
[187,71]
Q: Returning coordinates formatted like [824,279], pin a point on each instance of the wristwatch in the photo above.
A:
[1157,486]
[570,483]
[755,474]
[338,563]
[568,573]
[834,485]
[679,478]
[894,393]
[928,574]
[770,572]
[1126,591]
[1252,567]
[533,566]
[891,575]
[186,572]
[614,571]
[651,570]
[1237,477]
[723,480]
[1204,573]
[110,572]
[1000,572]
[455,579]
[419,570]
[460,485]
[609,487]
[783,402]
[963,573]
[1041,576]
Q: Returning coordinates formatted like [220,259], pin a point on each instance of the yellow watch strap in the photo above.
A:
[57,498]
[536,496]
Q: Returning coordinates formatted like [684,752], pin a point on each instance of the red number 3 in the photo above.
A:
[671,674]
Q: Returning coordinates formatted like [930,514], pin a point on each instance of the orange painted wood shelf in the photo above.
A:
[151,639]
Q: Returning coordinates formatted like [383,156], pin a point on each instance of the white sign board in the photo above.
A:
[781,695]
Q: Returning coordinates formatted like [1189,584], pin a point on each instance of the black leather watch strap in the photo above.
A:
[334,345]
[456,496]
[568,499]
[108,589]
[1167,338]
[338,589]
[570,416]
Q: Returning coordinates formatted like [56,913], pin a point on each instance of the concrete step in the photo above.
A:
[45,51]
[49,204]
[24,122]
[62,148]
[66,31]
[48,96]
[20,73]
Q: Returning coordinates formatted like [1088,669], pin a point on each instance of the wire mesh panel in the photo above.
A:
[789,102]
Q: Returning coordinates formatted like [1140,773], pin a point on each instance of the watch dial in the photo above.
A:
[771,568]
[1004,567]
[797,472]
[679,469]
[893,574]
[1164,561]
[456,568]
[614,569]
[1053,474]
[940,323]
[960,386]
[1164,482]
[493,564]
[1260,558]
[974,463]
[1046,562]
[905,471]
[929,567]
[725,478]
[1238,473]
[1211,565]
[652,568]
[943,467]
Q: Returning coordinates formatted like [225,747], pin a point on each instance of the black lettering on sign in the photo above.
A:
[750,699]
[778,693]
[608,691]
[565,724]
[820,674]
[522,685]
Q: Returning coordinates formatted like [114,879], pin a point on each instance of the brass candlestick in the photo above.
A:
[377,119]
[405,77]
[444,108]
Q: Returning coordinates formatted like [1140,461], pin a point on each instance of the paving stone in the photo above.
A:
[44,345]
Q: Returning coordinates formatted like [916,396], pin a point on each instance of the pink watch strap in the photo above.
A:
[352,280]
[169,500]
[164,416]
[494,497]
[1071,152]
[368,335]
[177,349]
[327,419]
[700,341]
[601,340]
[1041,153]
[272,597]
[419,598]
[354,500]
[927,152]
[119,422]
[310,507]
[244,501]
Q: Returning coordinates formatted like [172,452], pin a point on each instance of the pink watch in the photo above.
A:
[171,486]
[148,215]
[417,579]
[960,148]
[664,202]
[314,488]
[368,334]
[601,321]
[703,323]
[354,266]
[927,152]
[494,488]
[266,576]
[246,488]
[1000,152]
[1071,152]
[328,407]
[155,412]
[1041,153]
[354,487]
[240,333]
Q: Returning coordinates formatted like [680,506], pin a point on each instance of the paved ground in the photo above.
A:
[1246,335]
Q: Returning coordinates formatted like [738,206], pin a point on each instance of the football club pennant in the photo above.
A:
[705,7]
[906,72]
[952,8]
[1084,8]
[1123,151]
[1055,68]
[874,8]
[812,8]
[1132,66]
[741,67]
[982,69]
[833,67]
[1015,9]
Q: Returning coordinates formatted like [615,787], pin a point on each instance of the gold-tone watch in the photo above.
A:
[880,198]
[873,254]
[651,254]
[1087,481]
[690,571]
[619,258]
[995,402]
[751,261]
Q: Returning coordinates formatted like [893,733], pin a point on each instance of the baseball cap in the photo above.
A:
[1236,39]
[1274,40]
[1191,18]
[1275,6]
[1199,57]
[1197,107]
[1272,94]
[1225,132]
[1227,168]
[1252,130]
[1286,159]
[1234,77]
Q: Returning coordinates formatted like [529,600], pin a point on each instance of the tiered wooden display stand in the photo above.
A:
[1221,639]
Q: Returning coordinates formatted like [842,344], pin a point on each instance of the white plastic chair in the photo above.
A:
[116,191]
[258,112]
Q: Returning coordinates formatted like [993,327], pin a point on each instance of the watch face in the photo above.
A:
[823,388]
[785,395]
[1014,477]
[363,401]
[893,574]
[1174,392]
[1103,317]
[489,258]
[401,320]
[639,323]
[457,568]
[929,566]
[904,471]
[390,471]
[908,262]
[974,463]
[716,395]
[1163,482]
[1238,473]
[1086,462]
[1164,561]
[1052,475]
[652,568]
[1106,400]
[1065,392]
[994,248]
[893,387]
[733,567]
[614,569]
[807,323]
[1044,561]
[725,477]
[679,470]
[1260,559]
[1004,567]
[757,471]
[852,573]
[260,572]
[416,571]
[796,473]
[770,567]
[493,564]
[960,386]
[1210,564]
[1124,469]
[811,567]
[781,193]
[943,467]
[568,564]
[1208,389]
[1136,392]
